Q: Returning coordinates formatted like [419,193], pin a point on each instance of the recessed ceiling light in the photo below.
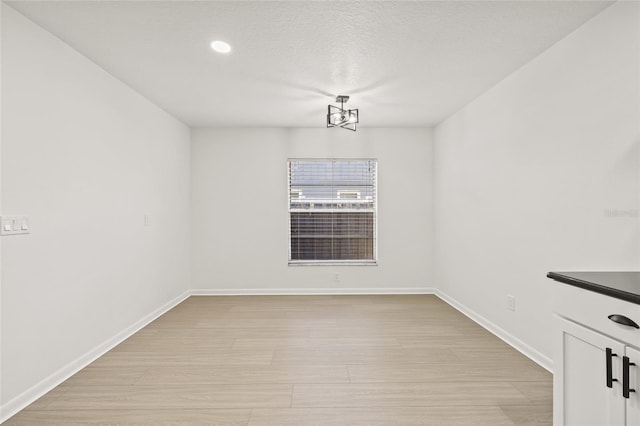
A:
[220,46]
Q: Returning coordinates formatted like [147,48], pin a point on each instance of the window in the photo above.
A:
[332,211]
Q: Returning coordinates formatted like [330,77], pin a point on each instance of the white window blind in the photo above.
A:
[332,211]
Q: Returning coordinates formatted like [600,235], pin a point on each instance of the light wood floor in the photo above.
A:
[305,360]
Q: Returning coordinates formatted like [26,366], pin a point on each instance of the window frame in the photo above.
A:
[355,262]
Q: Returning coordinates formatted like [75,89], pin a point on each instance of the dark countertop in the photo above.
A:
[622,285]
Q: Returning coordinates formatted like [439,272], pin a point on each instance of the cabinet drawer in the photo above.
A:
[593,309]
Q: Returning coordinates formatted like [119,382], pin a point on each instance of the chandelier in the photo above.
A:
[340,117]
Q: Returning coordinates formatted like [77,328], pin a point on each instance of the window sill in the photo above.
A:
[333,263]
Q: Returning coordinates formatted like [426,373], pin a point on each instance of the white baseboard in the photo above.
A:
[308,291]
[29,396]
[537,357]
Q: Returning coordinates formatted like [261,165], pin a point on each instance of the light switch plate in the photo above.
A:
[14,225]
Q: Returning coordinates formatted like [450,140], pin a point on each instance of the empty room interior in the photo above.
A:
[320,212]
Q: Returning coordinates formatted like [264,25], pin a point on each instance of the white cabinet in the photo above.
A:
[581,395]
[596,361]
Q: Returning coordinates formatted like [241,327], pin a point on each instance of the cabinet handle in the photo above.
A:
[610,378]
[625,376]
[621,319]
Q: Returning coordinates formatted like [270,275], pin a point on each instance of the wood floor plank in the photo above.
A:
[449,371]
[173,397]
[155,417]
[229,332]
[154,359]
[229,314]
[358,355]
[105,376]
[392,416]
[407,373]
[256,322]
[248,374]
[460,341]
[406,395]
[317,343]
[175,345]
[363,329]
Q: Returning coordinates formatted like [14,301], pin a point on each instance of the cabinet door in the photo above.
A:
[633,403]
[581,392]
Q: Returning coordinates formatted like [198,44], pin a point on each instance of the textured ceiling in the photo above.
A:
[403,63]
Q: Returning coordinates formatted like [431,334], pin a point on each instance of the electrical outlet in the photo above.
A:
[511,303]
[336,277]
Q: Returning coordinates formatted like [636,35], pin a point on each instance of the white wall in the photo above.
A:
[239,208]
[85,157]
[530,176]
